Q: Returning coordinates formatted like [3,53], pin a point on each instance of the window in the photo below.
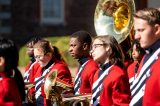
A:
[52,12]
[5,16]
[153,3]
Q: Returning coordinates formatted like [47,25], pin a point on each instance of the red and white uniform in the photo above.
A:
[111,87]
[30,71]
[84,81]
[145,87]
[41,74]
[33,72]
[9,94]
[152,89]
[132,71]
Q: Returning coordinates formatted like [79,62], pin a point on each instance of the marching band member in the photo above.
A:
[111,85]
[80,43]
[28,75]
[145,88]
[137,55]
[29,71]
[12,91]
[48,61]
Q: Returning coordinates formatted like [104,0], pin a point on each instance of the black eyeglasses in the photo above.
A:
[39,56]
[94,46]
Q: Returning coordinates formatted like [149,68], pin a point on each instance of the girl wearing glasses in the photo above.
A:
[111,86]
[49,60]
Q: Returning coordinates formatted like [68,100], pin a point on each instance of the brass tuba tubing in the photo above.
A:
[82,99]
[81,102]
[76,97]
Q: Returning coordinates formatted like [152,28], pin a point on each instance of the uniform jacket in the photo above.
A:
[32,71]
[132,70]
[63,74]
[87,76]
[151,92]
[116,91]
[9,94]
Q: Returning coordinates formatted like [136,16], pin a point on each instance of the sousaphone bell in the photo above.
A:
[115,17]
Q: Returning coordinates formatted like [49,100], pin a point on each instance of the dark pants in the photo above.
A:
[40,101]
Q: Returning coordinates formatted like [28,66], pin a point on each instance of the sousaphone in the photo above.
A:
[114,17]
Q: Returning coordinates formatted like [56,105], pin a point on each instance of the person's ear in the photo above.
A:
[85,46]
[108,50]
[49,54]
[157,30]
[2,61]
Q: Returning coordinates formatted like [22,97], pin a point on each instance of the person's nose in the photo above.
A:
[137,36]
[70,49]
[90,52]
[133,53]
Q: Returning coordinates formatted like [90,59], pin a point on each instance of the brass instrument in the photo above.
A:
[82,99]
[29,95]
[54,87]
[29,85]
[114,17]
[59,93]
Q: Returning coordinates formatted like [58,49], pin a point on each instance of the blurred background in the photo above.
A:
[21,20]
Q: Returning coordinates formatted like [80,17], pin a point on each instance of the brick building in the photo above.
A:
[20,20]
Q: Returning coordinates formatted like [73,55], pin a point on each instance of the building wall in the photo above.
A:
[153,3]
[24,20]
[79,15]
